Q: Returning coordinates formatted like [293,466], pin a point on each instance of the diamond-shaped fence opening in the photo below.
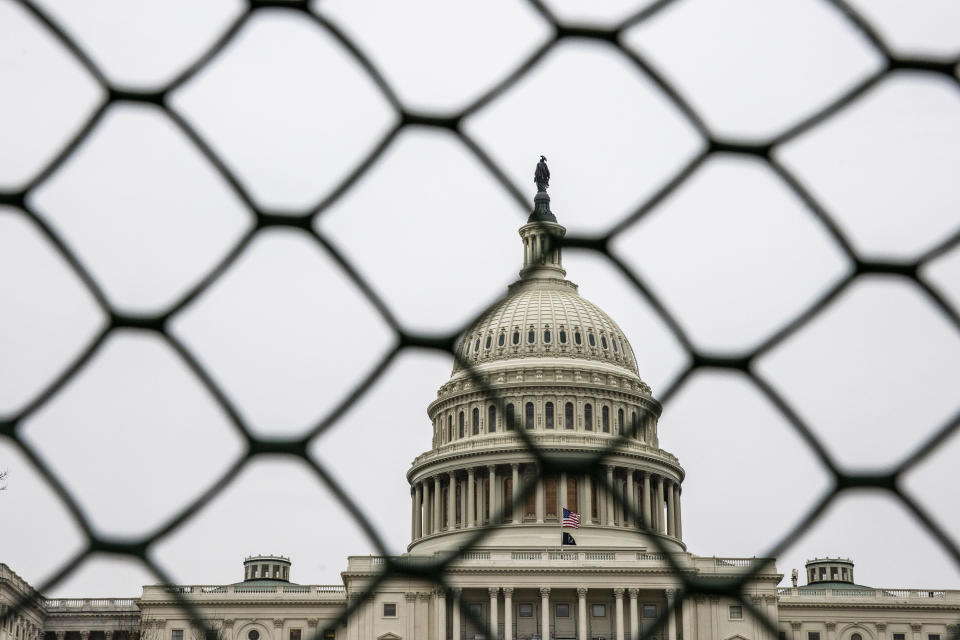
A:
[304,209]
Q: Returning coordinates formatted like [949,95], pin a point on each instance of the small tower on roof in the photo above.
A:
[542,235]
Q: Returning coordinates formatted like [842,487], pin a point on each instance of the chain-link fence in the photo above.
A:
[744,362]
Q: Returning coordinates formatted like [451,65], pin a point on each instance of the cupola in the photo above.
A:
[267,567]
[829,570]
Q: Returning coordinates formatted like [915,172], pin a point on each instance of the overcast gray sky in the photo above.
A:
[733,254]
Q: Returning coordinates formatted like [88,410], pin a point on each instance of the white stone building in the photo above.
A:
[550,365]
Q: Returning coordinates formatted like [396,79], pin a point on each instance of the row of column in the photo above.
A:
[545,627]
[654,498]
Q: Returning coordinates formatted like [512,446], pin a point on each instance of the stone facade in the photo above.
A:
[550,370]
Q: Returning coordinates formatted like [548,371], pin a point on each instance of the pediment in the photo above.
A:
[389,636]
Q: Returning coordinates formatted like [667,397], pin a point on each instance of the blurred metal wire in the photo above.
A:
[435,571]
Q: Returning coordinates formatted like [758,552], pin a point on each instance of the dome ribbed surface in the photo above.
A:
[556,315]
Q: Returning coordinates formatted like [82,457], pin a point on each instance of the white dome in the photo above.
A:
[544,318]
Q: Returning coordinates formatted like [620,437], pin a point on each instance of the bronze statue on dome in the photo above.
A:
[542,175]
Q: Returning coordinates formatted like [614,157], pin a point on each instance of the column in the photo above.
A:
[451,502]
[545,612]
[631,503]
[437,510]
[687,619]
[668,496]
[587,509]
[882,630]
[672,616]
[441,602]
[418,511]
[455,614]
[411,599]
[581,613]
[507,613]
[676,514]
[494,595]
[645,496]
[278,624]
[413,513]
[661,525]
[540,500]
[609,498]
[422,623]
[515,478]
[634,614]
[471,486]
[618,607]
[563,493]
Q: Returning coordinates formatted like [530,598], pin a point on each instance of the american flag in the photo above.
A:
[570,519]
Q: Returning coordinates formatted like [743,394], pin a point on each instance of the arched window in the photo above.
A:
[568,415]
[476,346]
[592,340]
[531,336]
[548,418]
[546,336]
[635,425]
[551,496]
[577,337]
[529,415]
[516,337]
[492,418]
[460,433]
[588,417]
[620,421]
[605,418]
[450,430]
[603,342]
[490,339]
[510,419]
[501,339]
[563,336]
[476,421]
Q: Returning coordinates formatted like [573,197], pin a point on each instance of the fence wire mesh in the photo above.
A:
[436,570]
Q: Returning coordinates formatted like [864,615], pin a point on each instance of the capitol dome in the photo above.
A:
[549,363]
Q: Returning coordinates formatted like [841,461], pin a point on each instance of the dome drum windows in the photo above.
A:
[568,416]
[603,341]
[531,335]
[461,425]
[492,418]
[588,417]
[490,340]
[546,336]
[501,339]
[510,419]
[528,414]
[516,336]
[577,337]
[620,422]
[591,339]
[548,416]
[563,335]
[476,421]
[604,419]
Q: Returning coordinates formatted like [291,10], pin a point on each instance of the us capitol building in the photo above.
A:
[563,372]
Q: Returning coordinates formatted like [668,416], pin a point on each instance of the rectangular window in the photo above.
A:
[389,610]
[736,612]
[649,611]
[525,610]
[572,495]
[550,497]
[598,610]
[933,636]
[563,610]
[899,636]
[813,635]
[176,634]
[295,634]
[781,635]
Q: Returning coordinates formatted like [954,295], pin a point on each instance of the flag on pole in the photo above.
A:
[570,520]
[567,539]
